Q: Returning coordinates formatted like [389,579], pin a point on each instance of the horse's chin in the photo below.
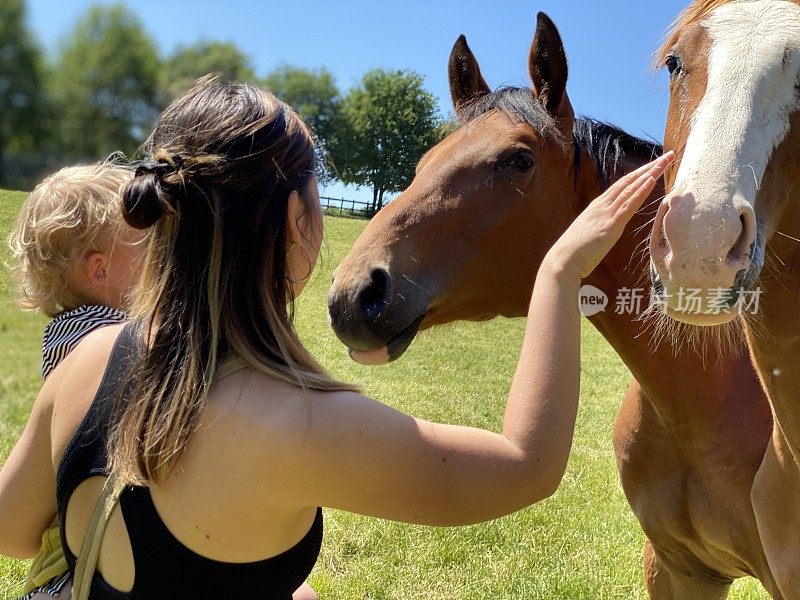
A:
[700,319]
[379,356]
[705,308]
[393,350]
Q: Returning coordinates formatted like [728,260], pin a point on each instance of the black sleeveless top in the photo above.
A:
[165,568]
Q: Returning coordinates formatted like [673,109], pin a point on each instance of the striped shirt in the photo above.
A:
[66,331]
[53,588]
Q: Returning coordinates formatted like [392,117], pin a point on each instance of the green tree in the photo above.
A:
[315,97]
[387,123]
[21,96]
[105,84]
[188,63]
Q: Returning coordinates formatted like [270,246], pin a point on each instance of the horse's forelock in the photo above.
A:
[694,13]
[519,103]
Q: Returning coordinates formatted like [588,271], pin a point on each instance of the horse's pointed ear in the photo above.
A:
[547,64]
[466,81]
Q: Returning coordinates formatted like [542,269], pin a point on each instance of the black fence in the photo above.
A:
[342,207]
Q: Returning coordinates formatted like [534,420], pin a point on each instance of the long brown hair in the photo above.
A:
[224,159]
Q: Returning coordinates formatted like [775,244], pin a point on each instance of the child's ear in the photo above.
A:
[95,269]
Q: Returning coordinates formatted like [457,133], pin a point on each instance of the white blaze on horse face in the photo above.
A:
[753,68]
[752,76]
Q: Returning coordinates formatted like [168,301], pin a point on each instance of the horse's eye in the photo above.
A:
[522,161]
[674,66]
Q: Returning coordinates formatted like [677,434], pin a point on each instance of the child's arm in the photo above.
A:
[27,484]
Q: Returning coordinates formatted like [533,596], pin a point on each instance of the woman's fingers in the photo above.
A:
[623,182]
[621,191]
[635,194]
[640,194]
[607,216]
[632,194]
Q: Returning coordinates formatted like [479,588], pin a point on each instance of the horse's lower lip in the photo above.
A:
[393,350]
[700,320]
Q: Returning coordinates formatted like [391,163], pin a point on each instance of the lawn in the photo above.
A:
[582,543]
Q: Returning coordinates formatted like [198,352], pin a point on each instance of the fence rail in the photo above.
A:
[345,207]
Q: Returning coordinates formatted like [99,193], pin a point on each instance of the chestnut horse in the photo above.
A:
[465,240]
[734,202]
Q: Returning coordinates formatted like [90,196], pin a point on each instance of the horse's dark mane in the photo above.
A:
[608,145]
[604,142]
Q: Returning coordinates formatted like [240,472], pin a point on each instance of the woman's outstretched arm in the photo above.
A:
[349,452]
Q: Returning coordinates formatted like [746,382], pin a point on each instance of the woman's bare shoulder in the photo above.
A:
[250,398]
[253,406]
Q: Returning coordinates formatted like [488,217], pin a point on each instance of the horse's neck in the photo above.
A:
[685,388]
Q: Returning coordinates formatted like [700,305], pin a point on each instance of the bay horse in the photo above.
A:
[465,240]
[729,228]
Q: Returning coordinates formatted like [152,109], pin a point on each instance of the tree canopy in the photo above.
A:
[188,63]
[21,96]
[102,90]
[387,123]
[105,84]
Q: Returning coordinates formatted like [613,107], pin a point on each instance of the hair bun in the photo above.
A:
[145,201]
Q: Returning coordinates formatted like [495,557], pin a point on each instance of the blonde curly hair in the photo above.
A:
[71,213]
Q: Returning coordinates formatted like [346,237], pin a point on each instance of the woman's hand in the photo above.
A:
[592,235]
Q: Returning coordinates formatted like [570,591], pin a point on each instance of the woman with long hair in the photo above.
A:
[229,435]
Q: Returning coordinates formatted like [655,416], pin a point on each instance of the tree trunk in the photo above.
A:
[2,173]
[374,198]
[380,200]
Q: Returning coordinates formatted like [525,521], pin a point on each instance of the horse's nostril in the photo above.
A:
[744,246]
[373,298]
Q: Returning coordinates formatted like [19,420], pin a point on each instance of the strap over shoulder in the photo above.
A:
[90,549]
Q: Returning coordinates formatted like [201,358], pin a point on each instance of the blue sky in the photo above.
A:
[609,44]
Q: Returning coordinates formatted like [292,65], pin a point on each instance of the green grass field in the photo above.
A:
[583,543]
